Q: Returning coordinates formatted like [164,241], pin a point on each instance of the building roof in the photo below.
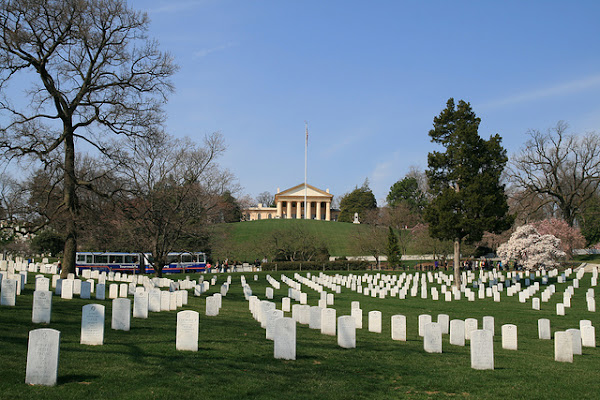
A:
[298,191]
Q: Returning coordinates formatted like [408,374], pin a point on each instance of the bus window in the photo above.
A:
[131,259]
[101,259]
[172,259]
[81,258]
[187,258]
[115,259]
[89,259]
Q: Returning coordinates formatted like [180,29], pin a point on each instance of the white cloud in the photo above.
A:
[557,90]
[205,52]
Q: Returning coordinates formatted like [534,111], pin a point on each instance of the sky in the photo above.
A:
[369,77]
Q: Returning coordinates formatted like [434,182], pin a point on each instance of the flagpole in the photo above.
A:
[305,169]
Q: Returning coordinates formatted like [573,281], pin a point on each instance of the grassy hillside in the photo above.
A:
[246,239]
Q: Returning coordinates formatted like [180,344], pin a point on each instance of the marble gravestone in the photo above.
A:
[509,337]
[9,292]
[42,307]
[563,347]
[482,349]
[121,314]
[92,325]
[346,332]
[328,321]
[140,305]
[457,332]
[42,357]
[399,327]
[100,291]
[432,338]
[544,329]
[375,321]
[187,330]
[284,342]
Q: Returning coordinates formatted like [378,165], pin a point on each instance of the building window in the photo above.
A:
[270,216]
[258,216]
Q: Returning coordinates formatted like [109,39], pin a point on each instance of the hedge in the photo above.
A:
[337,265]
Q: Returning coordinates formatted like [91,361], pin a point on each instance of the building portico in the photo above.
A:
[289,204]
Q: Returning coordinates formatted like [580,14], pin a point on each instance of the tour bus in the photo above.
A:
[130,262]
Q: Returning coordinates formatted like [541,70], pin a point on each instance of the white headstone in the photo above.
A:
[92,324]
[187,330]
[563,347]
[399,327]
[212,306]
[285,339]
[165,300]
[357,314]
[375,321]
[444,321]
[121,314]
[42,307]
[328,321]
[488,324]
[424,319]
[85,290]
[470,326]
[100,291]
[544,329]
[509,337]
[588,336]
[272,316]
[457,332]
[315,318]
[113,291]
[67,289]
[482,349]
[42,283]
[9,292]
[576,336]
[286,304]
[346,332]
[432,340]
[42,357]
[154,300]
[140,305]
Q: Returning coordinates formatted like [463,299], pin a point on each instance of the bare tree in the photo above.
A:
[174,185]
[266,199]
[370,240]
[94,73]
[563,170]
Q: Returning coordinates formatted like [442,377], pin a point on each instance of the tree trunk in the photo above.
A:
[70,204]
[457,262]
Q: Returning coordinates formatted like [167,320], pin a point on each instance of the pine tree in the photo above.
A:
[468,198]
[393,249]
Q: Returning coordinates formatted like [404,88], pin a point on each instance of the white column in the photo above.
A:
[328,211]
[319,210]
[289,210]
[308,210]
[298,210]
[279,209]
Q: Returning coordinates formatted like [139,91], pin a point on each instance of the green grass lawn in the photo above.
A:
[235,361]
[336,235]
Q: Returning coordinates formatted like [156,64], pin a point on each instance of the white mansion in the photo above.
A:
[289,204]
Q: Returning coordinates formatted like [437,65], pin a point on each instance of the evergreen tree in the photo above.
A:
[407,191]
[468,198]
[357,201]
[393,249]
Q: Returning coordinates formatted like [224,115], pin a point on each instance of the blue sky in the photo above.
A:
[369,77]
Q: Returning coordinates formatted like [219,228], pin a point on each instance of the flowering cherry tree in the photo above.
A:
[570,237]
[531,249]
